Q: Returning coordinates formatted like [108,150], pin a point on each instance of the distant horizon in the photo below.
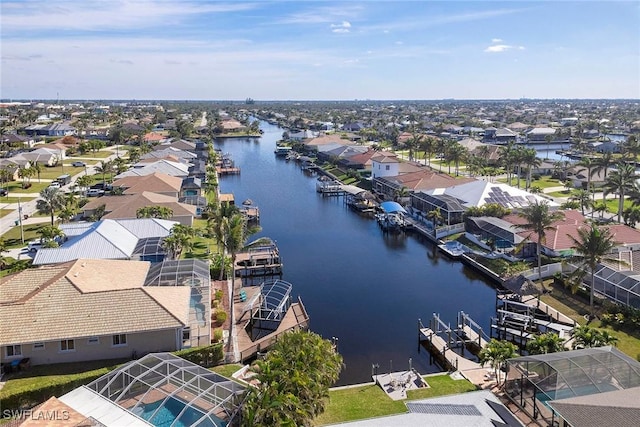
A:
[322,49]
[256,101]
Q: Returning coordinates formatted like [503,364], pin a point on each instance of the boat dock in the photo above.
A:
[259,260]
[228,170]
[440,349]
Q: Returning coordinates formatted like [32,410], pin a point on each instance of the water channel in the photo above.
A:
[363,287]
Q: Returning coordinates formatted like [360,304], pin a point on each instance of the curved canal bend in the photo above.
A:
[363,287]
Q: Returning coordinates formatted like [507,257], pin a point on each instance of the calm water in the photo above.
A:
[358,285]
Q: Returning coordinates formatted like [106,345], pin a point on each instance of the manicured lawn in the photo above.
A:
[226,370]
[24,198]
[56,171]
[370,401]
[576,308]
[202,246]
[97,155]
[563,193]
[612,205]
[12,237]
[47,375]
[546,182]
[35,189]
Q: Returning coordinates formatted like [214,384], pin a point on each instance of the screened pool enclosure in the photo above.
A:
[532,381]
[166,390]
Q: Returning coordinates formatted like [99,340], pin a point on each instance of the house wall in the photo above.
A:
[383,169]
[140,343]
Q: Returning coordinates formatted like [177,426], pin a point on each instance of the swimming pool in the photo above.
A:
[168,414]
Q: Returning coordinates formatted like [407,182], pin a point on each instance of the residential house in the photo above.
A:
[341,152]
[359,161]
[314,144]
[182,155]
[17,141]
[88,310]
[384,163]
[419,180]
[127,206]
[191,186]
[539,135]
[168,167]
[499,135]
[302,135]
[131,239]
[52,129]
[353,126]
[154,138]
[156,182]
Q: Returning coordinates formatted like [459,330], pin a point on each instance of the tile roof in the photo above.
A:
[70,300]
[156,182]
[126,206]
[620,408]
[427,180]
[55,413]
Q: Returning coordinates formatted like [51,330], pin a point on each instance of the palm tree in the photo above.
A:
[37,169]
[104,168]
[435,216]
[631,148]
[3,249]
[586,164]
[530,160]
[162,212]
[545,343]
[180,240]
[621,181]
[592,246]
[583,197]
[234,231]
[495,353]
[49,236]
[428,144]
[539,220]
[587,337]
[84,182]
[457,153]
[602,164]
[51,199]
[507,159]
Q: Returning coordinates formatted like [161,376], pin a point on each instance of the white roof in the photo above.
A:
[105,239]
[478,193]
[542,131]
[161,166]
[90,404]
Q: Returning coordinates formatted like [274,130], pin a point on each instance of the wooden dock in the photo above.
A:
[228,170]
[440,349]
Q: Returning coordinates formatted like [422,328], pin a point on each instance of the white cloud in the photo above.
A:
[341,28]
[498,47]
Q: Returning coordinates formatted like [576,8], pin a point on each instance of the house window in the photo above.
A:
[388,167]
[38,346]
[119,340]
[93,340]
[67,345]
[186,335]
[14,350]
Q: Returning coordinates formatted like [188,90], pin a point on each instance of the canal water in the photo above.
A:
[365,288]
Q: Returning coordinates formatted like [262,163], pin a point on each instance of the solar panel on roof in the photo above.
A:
[443,409]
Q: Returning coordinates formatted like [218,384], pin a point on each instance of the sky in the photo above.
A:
[318,50]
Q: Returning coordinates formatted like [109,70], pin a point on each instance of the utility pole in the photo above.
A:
[20,220]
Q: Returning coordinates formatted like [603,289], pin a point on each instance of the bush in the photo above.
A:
[221,317]
[218,295]
[210,355]
[217,335]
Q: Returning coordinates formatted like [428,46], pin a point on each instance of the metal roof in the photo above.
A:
[391,207]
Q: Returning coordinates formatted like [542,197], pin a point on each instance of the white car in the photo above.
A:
[94,192]
[34,245]
[55,184]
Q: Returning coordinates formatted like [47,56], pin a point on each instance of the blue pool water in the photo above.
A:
[170,411]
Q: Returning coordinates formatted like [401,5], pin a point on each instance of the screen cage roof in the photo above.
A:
[194,272]
[161,383]
[579,372]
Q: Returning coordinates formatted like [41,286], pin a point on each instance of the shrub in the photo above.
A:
[206,356]
[217,335]
[221,317]
[218,294]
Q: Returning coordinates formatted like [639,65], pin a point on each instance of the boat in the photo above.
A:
[282,150]
[453,248]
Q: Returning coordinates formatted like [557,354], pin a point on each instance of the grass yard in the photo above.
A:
[12,237]
[612,205]
[349,404]
[576,308]
[226,370]
[202,246]
[5,212]
[546,182]
[24,198]
[102,154]
[39,377]
[56,171]
[33,191]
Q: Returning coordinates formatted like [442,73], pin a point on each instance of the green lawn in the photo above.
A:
[546,182]
[226,370]
[43,376]
[97,155]
[12,237]
[563,193]
[34,190]
[5,212]
[24,198]
[612,205]
[349,404]
[576,308]
[56,171]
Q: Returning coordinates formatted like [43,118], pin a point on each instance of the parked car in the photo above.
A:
[101,186]
[55,184]
[34,245]
[4,192]
[78,164]
[94,192]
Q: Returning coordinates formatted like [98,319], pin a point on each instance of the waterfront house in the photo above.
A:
[335,140]
[166,152]
[191,186]
[89,310]
[419,180]
[126,206]
[156,182]
[134,239]
[341,152]
[539,135]
[165,166]
[499,135]
[359,161]
[385,163]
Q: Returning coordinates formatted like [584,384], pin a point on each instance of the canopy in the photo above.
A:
[391,207]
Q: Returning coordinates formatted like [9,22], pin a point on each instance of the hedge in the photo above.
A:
[208,356]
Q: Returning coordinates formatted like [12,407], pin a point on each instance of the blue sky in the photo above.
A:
[317,50]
